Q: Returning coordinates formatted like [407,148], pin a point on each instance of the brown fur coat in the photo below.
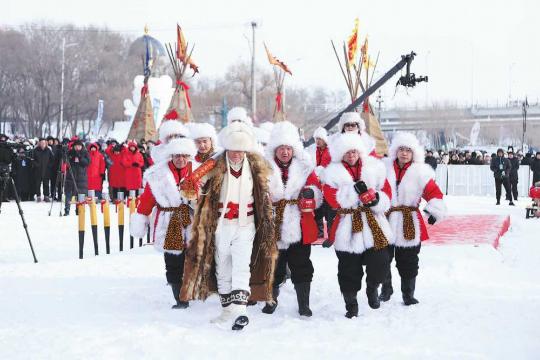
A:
[199,269]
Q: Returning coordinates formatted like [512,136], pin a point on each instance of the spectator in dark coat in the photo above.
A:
[501,172]
[430,159]
[43,163]
[527,160]
[535,168]
[22,175]
[513,178]
[76,178]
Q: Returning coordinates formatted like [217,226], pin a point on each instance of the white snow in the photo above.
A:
[475,302]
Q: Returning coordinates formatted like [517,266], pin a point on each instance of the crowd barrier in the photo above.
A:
[476,180]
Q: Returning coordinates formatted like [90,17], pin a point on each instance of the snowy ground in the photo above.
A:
[475,302]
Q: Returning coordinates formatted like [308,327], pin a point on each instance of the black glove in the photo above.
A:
[327,243]
[135,164]
[307,193]
[374,202]
[431,220]
[360,187]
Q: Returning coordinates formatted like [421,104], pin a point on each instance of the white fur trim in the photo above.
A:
[437,208]
[298,172]
[374,175]
[138,225]
[202,130]
[163,186]
[238,114]
[351,117]
[237,136]
[408,140]
[183,146]
[321,133]
[284,133]
[342,143]
[267,126]
[383,205]
[409,193]
[172,127]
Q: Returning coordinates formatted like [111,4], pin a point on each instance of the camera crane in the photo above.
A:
[407,80]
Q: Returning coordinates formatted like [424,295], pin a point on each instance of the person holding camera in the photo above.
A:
[501,168]
[355,185]
[411,180]
[22,175]
[76,177]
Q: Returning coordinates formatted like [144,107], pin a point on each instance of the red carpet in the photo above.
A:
[469,229]
[465,229]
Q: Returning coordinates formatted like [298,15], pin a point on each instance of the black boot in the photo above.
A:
[176,294]
[407,291]
[302,295]
[351,304]
[270,308]
[387,290]
[373,295]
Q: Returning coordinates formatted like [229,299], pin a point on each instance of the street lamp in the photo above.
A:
[64,46]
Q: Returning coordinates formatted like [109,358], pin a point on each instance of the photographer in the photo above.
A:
[76,178]
[6,157]
[22,175]
[501,168]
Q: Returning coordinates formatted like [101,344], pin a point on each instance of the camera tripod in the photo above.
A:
[6,179]
[61,181]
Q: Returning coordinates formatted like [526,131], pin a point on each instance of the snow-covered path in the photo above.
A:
[475,302]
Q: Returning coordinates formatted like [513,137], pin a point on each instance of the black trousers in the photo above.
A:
[297,257]
[174,267]
[52,184]
[351,272]
[45,182]
[325,211]
[504,182]
[406,260]
[514,188]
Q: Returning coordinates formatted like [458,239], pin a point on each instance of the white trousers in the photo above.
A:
[233,255]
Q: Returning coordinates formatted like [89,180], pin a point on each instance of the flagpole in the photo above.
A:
[253,90]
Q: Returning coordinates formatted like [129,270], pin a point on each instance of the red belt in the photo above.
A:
[234,210]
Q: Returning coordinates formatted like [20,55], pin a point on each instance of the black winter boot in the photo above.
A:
[302,295]
[176,294]
[373,295]
[270,308]
[407,291]
[351,304]
[386,290]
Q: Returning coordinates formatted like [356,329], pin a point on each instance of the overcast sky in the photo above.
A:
[481,51]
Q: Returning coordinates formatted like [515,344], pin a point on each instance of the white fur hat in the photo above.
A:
[284,133]
[237,136]
[172,127]
[407,140]
[341,143]
[321,133]
[351,117]
[201,130]
[238,114]
[267,126]
[180,146]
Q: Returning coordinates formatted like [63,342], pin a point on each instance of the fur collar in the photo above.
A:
[299,170]
[410,190]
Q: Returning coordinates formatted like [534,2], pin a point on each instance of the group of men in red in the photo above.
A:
[257,209]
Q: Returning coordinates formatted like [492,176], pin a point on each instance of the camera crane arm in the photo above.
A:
[408,80]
